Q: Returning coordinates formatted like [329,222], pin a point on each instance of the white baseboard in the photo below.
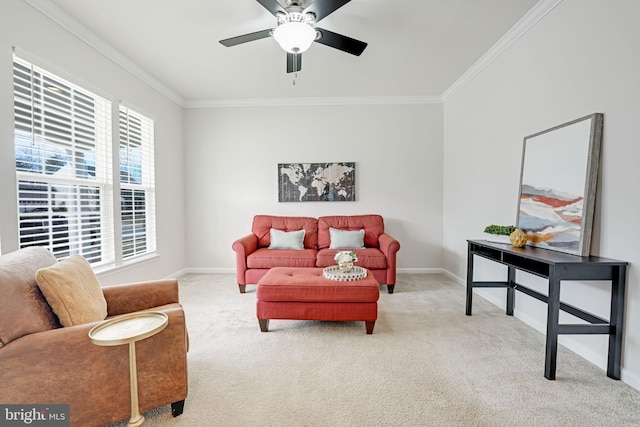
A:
[420,270]
[177,274]
[628,378]
[459,280]
[201,270]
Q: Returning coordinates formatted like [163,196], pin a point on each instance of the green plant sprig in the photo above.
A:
[504,230]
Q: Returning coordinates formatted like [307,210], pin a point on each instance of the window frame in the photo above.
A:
[145,138]
[104,176]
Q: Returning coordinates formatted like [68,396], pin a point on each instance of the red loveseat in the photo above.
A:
[254,258]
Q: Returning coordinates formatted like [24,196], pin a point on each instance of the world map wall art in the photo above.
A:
[317,182]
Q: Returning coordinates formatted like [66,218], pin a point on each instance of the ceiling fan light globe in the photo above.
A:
[294,37]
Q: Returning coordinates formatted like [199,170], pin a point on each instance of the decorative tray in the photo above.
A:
[334,273]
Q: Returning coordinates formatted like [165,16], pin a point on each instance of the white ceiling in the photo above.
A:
[417,48]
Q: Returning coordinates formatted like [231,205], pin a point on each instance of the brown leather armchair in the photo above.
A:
[44,363]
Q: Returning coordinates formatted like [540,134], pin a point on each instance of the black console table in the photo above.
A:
[556,266]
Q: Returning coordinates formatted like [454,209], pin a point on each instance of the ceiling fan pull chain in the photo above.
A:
[296,66]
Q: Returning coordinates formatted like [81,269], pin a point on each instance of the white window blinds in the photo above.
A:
[137,186]
[63,165]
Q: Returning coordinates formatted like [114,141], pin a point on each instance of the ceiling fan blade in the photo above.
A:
[340,42]
[272,6]
[246,38]
[294,62]
[323,8]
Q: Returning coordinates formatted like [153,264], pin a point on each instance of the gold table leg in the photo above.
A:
[136,418]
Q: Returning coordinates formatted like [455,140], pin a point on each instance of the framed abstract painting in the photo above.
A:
[558,185]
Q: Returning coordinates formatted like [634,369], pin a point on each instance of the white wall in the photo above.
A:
[231,172]
[61,52]
[580,59]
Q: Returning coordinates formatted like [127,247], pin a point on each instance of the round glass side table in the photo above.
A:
[127,329]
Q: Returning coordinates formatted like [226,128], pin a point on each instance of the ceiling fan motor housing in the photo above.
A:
[296,16]
[298,3]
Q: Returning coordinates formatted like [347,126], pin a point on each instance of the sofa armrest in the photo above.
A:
[389,247]
[131,297]
[243,248]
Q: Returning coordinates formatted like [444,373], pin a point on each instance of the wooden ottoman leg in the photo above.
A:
[264,325]
[369,326]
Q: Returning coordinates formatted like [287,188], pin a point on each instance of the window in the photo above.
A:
[63,146]
[137,190]
[64,169]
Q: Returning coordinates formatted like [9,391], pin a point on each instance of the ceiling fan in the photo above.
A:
[296,30]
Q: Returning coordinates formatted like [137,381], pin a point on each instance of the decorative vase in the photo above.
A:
[518,238]
[346,267]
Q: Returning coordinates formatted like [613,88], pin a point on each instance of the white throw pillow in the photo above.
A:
[286,239]
[345,239]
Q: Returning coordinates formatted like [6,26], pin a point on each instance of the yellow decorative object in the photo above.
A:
[518,238]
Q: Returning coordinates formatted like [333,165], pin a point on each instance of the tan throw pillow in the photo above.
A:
[73,292]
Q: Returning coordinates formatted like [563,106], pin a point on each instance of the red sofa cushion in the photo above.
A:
[269,258]
[370,258]
[306,285]
[262,224]
[373,226]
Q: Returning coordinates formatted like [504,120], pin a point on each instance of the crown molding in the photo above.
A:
[310,101]
[63,19]
[518,30]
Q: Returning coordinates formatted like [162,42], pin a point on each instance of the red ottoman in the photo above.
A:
[304,294]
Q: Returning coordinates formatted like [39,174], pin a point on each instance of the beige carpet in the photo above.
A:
[426,364]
